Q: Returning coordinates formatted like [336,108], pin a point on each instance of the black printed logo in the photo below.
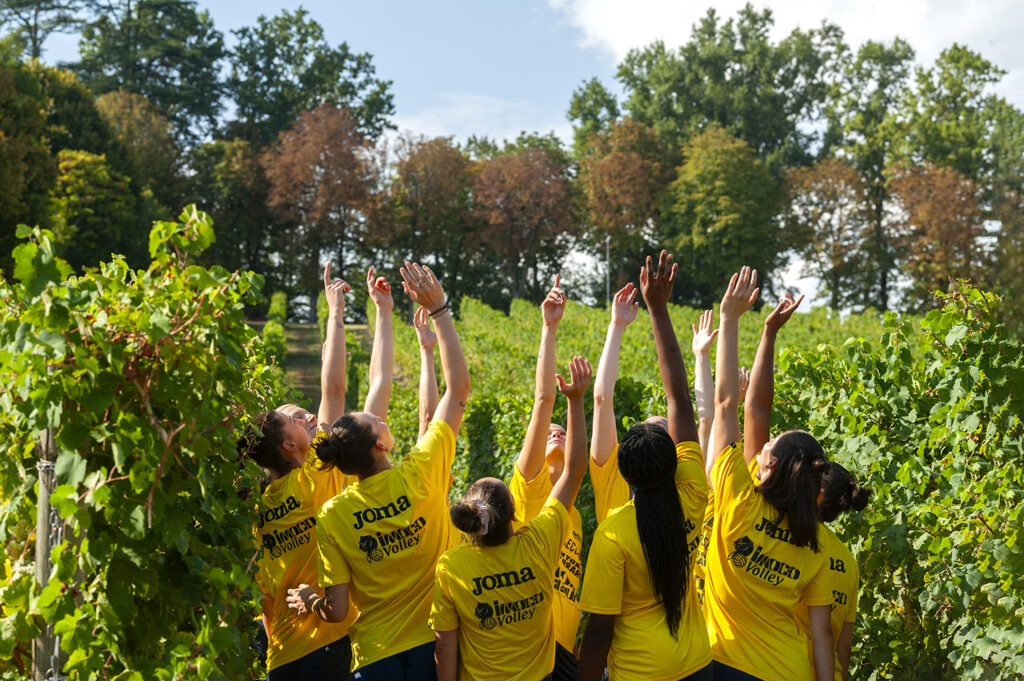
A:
[368,545]
[485,613]
[743,548]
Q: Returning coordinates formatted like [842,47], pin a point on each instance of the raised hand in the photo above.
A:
[380,291]
[553,306]
[422,286]
[782,312]
[656,285]
[740,294]
[744,382]
[704,333]
[426,335]
[335,291]
[580,375]
[625,305]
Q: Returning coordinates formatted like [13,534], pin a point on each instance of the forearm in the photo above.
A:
[328,609]
[382,361]
[605,435]
[757,407]
[727,386]
[673,376]
[568,486]
[456,374]
[332,370]
[597,641]
[446,655]
[824,651]
[702,389]
[531,456]
[428,395]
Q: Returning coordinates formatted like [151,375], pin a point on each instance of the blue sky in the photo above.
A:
[496,67]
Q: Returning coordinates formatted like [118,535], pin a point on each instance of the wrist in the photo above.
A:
[701,354]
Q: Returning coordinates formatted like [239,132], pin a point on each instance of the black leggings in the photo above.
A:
[330,663]
[567,667]
[723,672]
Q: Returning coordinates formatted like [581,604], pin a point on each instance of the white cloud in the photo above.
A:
[462,114]
[991,27]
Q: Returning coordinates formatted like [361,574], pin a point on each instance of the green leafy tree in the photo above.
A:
[35,20]
[145,378]
[720,214]
[592,109]
[1007,274]
[284,65]
[165,50]
[27,171]
[732,74]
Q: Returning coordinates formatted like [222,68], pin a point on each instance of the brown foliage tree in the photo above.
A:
[523,199]
[828,217]
[940,225]
[320,181]
[622,179]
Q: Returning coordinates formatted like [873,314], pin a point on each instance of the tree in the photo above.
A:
[731,74]
[35,20]
[941,225]
[593,109]
[27,172]
[862,114]
[828,218]
[284,65]
[93,211]
[319,181]
[229,183]
[720,214]
[622,179]
[1007,192]
[165,50]
[523,199]
[148,139]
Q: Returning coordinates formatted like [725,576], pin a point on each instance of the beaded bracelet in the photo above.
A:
[439,311]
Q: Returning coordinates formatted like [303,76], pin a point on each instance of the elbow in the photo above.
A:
[336,615]
[461,387]
[545,398]
[600,398]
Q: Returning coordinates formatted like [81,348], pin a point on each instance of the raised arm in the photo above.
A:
[739,296]
[744,379]
[382,357]
[568,485]
[332,365]
[703,335]
[423,287]
[428,379]
[757,408]
[531,457]
[656,287]
[624,309]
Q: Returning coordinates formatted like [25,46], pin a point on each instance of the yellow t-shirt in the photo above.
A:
[610,489]
[383,536]
[500,600]
[287,533]
[755,578]
[705,536]
[845,578]
[530,497]
[618,583]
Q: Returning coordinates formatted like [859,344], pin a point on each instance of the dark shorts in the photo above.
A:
[723,672]
[415,664]
[330,663]
[704,674]
[567,667]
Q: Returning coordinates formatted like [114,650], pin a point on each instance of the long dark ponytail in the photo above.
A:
[647,461]
[840,493]
[793,485]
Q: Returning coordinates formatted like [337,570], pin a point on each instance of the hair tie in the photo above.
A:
[483,511]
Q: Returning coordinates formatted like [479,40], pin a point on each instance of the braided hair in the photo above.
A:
[840,493]
[793,486]
[647,461]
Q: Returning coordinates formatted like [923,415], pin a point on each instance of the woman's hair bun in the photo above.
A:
[820,465]
[466,516]
[859,498]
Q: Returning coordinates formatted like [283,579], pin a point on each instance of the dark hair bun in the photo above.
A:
[859,498]
[466,516]
[820,465]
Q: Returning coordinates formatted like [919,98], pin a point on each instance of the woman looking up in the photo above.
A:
[764,553]
[540,464]
[493,597]
[295,489]
[644,620]
[381,537]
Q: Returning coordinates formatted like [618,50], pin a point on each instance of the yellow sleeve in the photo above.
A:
[610,489]
[819,590]
[547,532]
[443,615]
[429,464]
[690,464]
[730,476]
[529,495]
[604,578]
[332,567]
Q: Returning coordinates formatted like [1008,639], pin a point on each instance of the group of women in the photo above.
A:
[711,559]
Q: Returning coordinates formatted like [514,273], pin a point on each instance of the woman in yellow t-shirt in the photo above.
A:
[540,464]
[764,554]
[380,539]
[645,621]
[840,493]
[295,489]
[493,597]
